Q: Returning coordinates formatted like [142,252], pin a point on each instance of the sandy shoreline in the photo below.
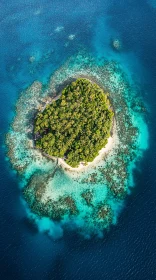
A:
[112,142]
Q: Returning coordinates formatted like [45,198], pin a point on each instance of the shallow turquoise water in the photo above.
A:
[128,250]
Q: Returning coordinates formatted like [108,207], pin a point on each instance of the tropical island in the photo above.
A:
[66,122]
[75,126]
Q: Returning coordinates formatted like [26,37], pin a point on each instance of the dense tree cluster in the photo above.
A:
[77,125]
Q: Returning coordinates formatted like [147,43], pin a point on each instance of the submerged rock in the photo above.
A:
[71,37]
[116,44]
[32,59]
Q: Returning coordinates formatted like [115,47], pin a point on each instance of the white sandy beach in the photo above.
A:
[112,142]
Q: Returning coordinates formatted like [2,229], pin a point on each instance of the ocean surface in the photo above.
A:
[50,32]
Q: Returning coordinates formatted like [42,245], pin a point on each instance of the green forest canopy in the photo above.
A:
[77,125]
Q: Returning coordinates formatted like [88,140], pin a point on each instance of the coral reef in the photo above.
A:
[89,199]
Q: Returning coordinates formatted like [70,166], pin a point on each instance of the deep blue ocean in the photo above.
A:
[30,28]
